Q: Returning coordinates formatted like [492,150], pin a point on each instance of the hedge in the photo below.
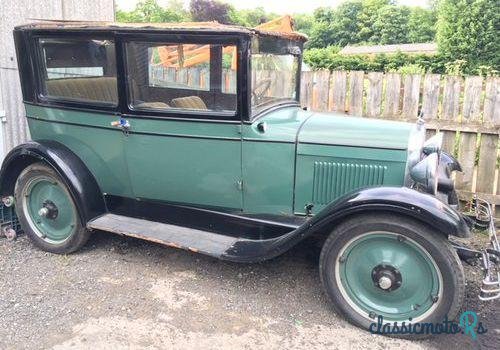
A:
[329,58]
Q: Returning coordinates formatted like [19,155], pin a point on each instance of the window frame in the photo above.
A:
[282,46]
[184,38]
[39,65]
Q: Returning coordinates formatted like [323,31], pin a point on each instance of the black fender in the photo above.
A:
[81,183]
[401,200]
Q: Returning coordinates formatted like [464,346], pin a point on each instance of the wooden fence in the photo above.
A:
[467,111]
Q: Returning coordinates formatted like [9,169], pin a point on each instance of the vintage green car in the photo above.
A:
[192,135]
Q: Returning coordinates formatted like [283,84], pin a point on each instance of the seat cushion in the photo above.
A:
[189,102]
[152,105]
[101,89]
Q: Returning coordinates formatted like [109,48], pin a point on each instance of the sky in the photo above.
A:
[277,6]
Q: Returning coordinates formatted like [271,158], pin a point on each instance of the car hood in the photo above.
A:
[343,130]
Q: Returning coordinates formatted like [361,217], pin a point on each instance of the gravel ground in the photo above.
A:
[123,293]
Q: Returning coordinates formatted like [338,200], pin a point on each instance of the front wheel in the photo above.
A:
[47,212]
[391,266]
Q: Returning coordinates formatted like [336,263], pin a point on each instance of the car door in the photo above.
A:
[184,141]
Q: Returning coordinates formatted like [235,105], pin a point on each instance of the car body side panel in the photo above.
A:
[325,173]
[184,161]
[91,137]
[269,161]
[335,129]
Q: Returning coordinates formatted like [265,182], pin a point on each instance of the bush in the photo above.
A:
[329,58]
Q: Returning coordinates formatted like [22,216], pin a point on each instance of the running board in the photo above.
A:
[171,235]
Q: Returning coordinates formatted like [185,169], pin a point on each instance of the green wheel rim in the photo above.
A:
[57,224]
[419,280]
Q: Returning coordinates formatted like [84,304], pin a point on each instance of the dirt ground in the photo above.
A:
[123,293]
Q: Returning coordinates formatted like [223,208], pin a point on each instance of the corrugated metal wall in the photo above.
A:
[15,12]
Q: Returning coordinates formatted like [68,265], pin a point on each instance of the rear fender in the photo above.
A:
[80,181]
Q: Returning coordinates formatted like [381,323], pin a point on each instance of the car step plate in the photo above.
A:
[171,235]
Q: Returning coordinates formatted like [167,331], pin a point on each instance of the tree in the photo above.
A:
[469,30]
[251,17]
[210,10]
[391,25]
[150,11]
[367,18]
[345,24]
[336,26]
[422,25]
[303,23]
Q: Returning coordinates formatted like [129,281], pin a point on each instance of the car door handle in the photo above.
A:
[123,124]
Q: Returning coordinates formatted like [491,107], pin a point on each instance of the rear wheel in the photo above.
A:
[47,212]
[394,267]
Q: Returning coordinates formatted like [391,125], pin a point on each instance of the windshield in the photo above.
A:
[274,78]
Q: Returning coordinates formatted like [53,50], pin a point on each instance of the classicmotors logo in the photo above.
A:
[468,324]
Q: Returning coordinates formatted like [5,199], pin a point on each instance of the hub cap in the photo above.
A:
[49,209]
[383,273]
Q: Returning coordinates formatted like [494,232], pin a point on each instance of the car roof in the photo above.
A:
[179,27]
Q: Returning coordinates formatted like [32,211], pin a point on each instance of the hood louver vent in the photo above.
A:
[332,180]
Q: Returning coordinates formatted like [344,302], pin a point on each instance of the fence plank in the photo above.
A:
[392,95]
[449,138]
[411,96]
[471,110]
[374,97]
[466,157]
[356,92]
[321,90]
[451,98]
[492,101]
[430,96]
[487,163]
[450,110]
[338,91]
[306,89]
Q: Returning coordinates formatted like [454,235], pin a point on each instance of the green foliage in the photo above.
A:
[391,25]
[329,58]
[371,22]
[210,10]
[421,25]
[303,23]
[411,68]
[149,11]
[251,17]
[367,18]
[455,67]
[469,30]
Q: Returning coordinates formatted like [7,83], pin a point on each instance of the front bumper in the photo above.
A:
[489,256]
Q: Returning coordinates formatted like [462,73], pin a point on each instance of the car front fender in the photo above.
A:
[80,181]
[401,200]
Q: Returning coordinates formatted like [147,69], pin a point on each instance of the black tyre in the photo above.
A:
[47,212]
[391,266]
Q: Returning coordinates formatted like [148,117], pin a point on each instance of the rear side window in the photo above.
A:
[183,77]
[79,70]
